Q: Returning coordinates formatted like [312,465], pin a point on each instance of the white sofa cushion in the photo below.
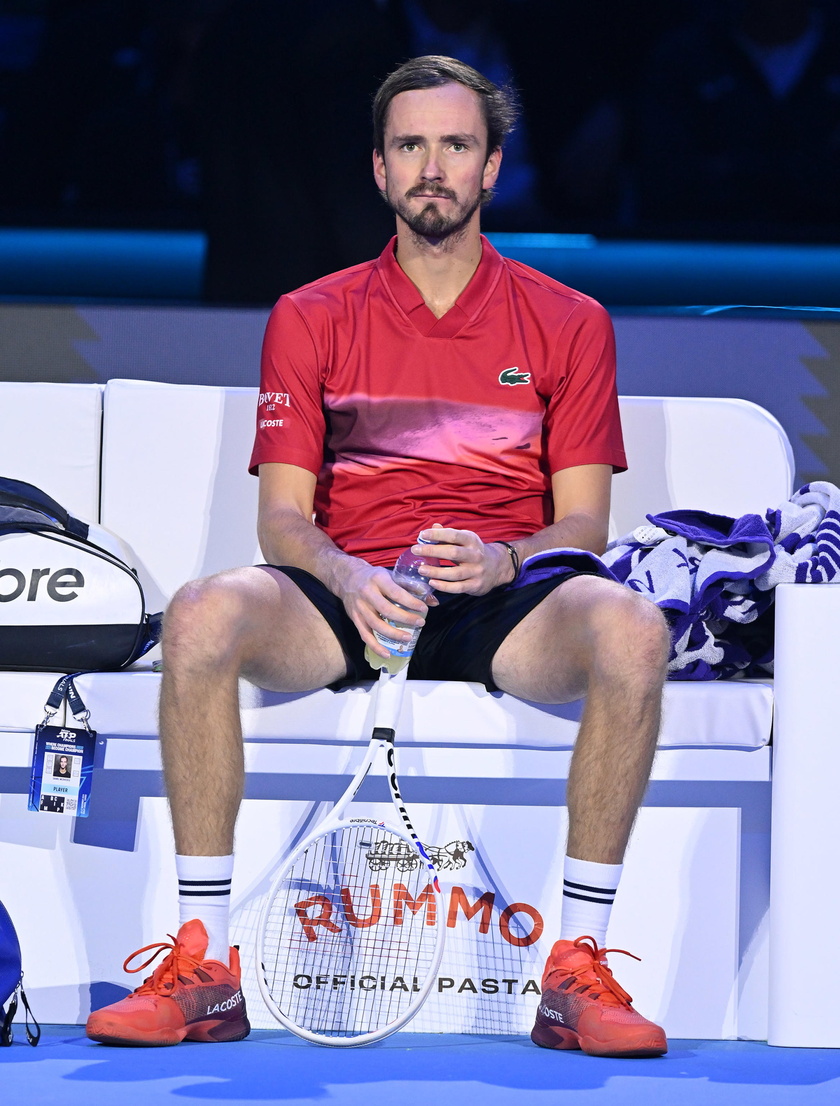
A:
[726,456]
[50,437]
[735,714]
[175,481]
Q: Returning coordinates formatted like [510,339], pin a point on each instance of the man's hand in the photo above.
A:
[477,569]
[370,595]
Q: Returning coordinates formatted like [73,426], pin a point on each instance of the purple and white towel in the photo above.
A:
[714,576]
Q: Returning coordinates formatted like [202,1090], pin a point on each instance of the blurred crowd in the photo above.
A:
[249,119]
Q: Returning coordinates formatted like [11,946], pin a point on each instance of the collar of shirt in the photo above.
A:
[469,304]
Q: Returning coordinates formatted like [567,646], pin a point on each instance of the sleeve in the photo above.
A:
[290,416]
[582,422]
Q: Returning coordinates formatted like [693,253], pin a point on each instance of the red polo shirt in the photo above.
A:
[408,420]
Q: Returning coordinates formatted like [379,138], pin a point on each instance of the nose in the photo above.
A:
[432,170]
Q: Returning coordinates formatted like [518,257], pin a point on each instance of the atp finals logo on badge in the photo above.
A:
[514,376]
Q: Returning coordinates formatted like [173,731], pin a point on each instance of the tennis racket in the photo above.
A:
[351,935]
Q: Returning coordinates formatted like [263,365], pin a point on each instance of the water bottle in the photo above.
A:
[406,575]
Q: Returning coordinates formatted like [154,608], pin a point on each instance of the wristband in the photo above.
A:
[514,557]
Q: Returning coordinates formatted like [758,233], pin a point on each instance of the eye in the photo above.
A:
[459,147]
[409,147]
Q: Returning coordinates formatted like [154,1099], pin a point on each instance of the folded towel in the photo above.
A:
[714,576]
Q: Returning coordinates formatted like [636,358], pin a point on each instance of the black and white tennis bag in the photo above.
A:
[69,599]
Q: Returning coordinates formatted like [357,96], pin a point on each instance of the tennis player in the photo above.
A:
[442,389]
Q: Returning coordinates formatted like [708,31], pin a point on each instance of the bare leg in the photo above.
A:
[251,622]
[595,638]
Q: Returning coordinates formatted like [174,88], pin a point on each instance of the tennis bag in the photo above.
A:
[11,983]
[69,600]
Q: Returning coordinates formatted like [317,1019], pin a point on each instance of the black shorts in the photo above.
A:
[460,637]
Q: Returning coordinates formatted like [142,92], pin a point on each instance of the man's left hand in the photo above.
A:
[477,567]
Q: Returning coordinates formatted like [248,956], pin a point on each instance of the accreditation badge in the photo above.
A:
[62,757]
[62,770]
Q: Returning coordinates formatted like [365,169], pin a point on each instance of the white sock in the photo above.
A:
[204,893]
[588,894]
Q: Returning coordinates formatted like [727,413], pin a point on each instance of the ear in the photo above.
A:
[491,169]
[380,174]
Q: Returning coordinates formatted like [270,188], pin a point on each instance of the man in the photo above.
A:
[439,389]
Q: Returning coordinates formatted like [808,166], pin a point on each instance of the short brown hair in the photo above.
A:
[432,71]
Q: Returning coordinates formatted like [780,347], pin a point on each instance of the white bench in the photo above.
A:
[695,901]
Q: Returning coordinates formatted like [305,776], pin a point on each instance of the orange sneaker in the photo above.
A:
[185,998]
[583,1006]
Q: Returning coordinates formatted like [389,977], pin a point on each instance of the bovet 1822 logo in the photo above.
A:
[270,400]
[514,376]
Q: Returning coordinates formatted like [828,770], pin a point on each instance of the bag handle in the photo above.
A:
[17,493]
[33,1032]
[65,688]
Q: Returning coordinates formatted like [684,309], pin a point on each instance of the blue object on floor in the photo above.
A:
[411,1069]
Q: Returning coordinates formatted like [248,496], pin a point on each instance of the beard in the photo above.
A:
[431,221]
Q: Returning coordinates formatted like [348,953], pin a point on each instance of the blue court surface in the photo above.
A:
[408,1069]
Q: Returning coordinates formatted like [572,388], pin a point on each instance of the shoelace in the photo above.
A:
[600,970]
[165,975]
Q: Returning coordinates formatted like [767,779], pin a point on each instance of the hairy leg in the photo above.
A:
[595,638]
[251,622]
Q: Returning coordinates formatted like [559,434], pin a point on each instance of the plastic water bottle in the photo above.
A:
[406,575]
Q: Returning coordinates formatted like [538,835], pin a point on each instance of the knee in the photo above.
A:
[204,619]
[633,637]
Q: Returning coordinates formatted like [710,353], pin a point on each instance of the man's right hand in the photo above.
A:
[370,596]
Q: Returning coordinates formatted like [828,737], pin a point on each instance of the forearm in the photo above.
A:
[368,593]
[573,531]
[581,513]
[582,507]
[287,538]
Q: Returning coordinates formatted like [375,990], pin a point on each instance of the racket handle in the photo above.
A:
[389,697]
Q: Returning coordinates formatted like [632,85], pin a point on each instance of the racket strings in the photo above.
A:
[351,932]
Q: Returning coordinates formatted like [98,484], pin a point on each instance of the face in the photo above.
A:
[435,163]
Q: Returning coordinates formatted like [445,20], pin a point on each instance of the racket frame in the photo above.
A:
[388,695]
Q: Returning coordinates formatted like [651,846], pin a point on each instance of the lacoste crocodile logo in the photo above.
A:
[514,376]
